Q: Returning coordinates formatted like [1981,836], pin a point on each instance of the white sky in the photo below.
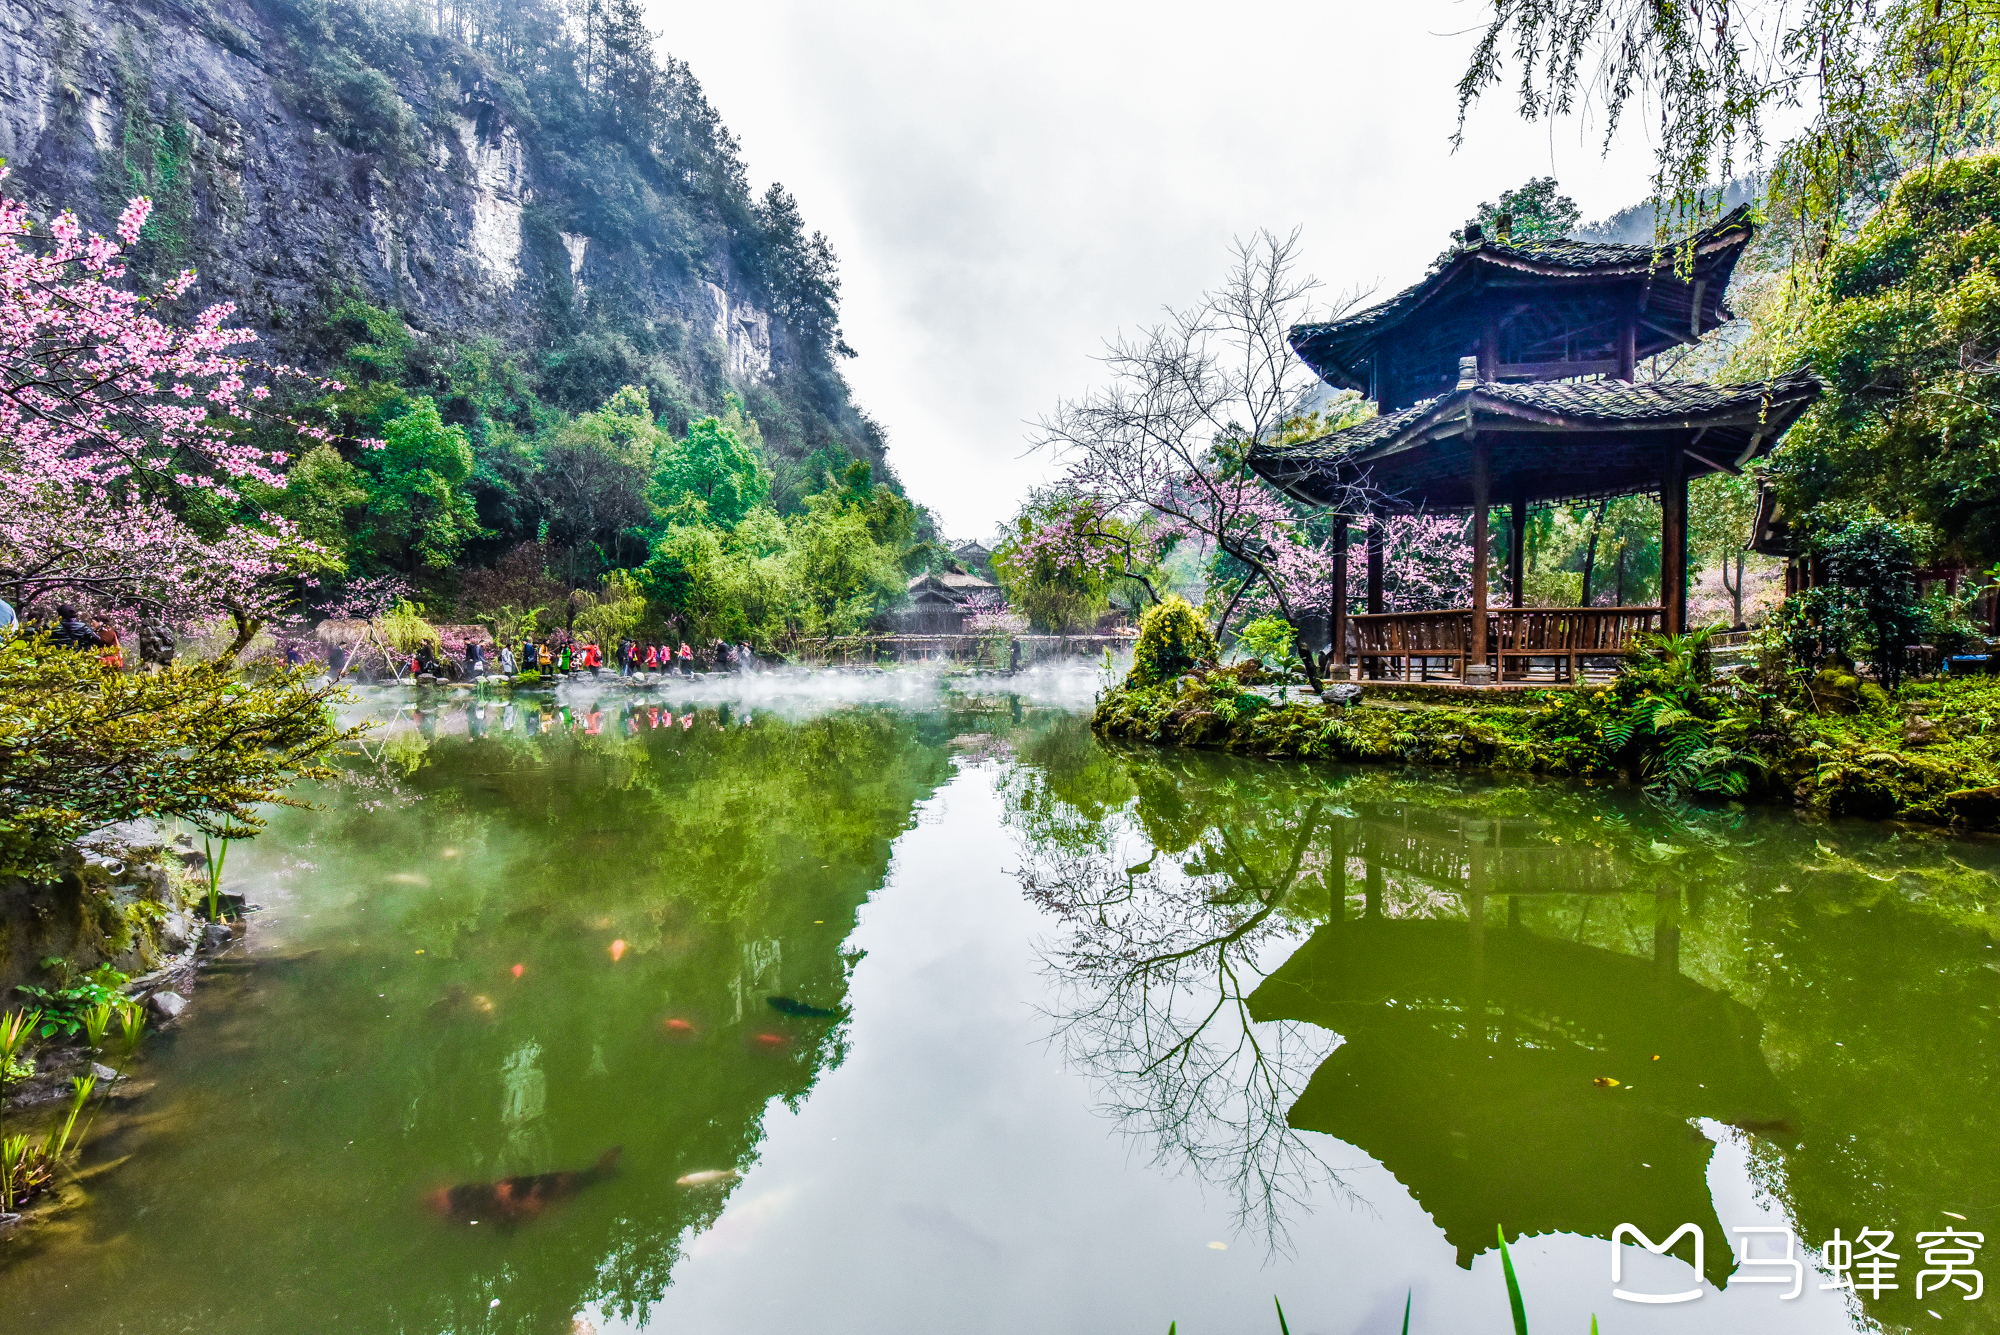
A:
[1008,185]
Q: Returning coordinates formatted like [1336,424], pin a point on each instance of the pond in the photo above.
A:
[906,1009]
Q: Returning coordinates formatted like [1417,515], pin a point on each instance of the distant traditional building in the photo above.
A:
[938,602]
[1506,377]
[974,556]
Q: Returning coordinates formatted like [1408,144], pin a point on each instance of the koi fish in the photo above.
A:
[787,1006]
[512,1199]
[617,950]
[518,970]
[458,999]
[676,1027]
[708,1177]
[768,1040]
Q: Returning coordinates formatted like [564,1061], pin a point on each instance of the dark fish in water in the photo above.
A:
[513,1199]
[459,1000]
[787,1006]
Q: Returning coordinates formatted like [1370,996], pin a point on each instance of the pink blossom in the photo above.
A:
[107,399]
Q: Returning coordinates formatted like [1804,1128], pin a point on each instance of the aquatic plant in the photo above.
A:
[67,1009]
[14,1031]
[1514,1302]
[22,1172]
[212,864]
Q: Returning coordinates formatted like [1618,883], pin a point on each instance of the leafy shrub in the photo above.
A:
[63,1009]
[404,629]
[1269,640]
[81,747]
[532,677]
[1868,604]
[1172,639]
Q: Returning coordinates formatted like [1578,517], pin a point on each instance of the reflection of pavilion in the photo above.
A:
[1470,1053]
[1484,855]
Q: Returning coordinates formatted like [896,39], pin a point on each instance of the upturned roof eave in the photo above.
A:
[1779,402]
[1730,232]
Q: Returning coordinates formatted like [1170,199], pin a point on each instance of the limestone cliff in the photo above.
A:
[300,154]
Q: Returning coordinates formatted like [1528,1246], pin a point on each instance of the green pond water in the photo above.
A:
[1109,1038]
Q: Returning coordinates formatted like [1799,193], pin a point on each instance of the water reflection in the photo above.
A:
[1271,972]
[515,937]
[1537,1005]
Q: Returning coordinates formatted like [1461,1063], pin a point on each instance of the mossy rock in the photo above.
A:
[1835,690]
[1977,807]
[1879,784]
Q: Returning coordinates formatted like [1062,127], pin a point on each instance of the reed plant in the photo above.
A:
[27,1168]
[212,864]
[1517,1307]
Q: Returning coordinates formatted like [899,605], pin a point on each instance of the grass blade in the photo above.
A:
[1411,1295]
[1283,1329]
[1513,1284]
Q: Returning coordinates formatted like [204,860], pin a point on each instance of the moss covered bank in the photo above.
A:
[1929,753]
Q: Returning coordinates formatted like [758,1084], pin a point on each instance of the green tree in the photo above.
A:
[1721,510]
[590,482]
[716,465]
[1887,86]
[609,615]
[1904,326]
[81,747]
[320,492]
[1536,211]
[419,512]
[1867,604]
[847,576]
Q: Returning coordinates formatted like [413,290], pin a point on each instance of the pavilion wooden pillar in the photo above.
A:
[1377,523]
[1673,544]
[1517,554]
[1476,670]
[1336,614]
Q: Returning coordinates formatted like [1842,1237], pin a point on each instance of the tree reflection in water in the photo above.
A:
[1159,952]
[1536,1004]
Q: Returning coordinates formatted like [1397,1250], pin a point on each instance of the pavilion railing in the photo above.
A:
[1519,640]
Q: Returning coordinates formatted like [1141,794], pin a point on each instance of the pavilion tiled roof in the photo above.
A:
[1338,349]
[1559,438]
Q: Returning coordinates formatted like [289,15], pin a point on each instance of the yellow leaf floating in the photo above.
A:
[1605,1082]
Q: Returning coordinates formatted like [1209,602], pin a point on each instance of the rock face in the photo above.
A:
[114,905]
[263,182]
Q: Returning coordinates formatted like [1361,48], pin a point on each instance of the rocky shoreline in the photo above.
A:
[131,900]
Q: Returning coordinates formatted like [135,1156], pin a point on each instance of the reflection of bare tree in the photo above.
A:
[1153,980]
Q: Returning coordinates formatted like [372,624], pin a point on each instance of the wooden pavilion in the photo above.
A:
[1507,376]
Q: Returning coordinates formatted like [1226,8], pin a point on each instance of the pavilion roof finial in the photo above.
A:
[1468,372]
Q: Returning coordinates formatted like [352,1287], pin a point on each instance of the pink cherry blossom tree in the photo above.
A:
[115,414]
[1165,441]
[1162,447]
